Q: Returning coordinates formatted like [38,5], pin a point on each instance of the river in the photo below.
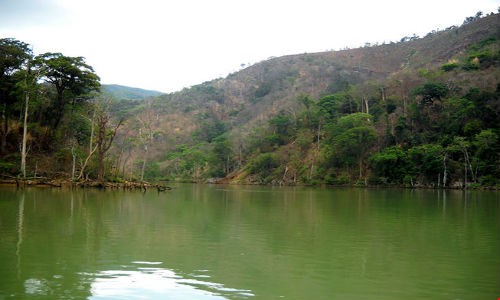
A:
[247,242]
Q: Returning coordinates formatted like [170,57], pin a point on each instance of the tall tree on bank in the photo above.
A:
[105,135]
[353,136]
[29,86]
[67,74]
[146,132]
[13,55]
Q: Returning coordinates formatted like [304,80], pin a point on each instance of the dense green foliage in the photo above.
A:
[436,125]
[441,141]
[49,105]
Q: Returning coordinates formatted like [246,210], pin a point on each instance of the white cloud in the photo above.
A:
[167,45]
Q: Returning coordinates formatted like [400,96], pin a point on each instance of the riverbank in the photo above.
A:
[59,183]
[144,185]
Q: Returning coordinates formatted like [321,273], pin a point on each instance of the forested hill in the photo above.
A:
[422,111]
[398,113]
[265,88]
[120,92]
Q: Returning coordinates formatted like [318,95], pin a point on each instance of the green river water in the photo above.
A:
[245,242]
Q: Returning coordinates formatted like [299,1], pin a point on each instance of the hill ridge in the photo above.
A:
[239,107]
[123,92]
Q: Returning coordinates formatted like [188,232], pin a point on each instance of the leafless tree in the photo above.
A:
[106,132]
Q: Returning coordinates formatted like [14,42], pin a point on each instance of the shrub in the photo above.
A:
[264,164]
[341,179]
[7,167]
[488,180]
[391,164]
[449,67]
[263,90]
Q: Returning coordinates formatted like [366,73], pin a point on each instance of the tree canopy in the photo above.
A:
[67,74]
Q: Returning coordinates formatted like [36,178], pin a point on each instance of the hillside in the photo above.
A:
[418,112]
[231,122]
[121,92]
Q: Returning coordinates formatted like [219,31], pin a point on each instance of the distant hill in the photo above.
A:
[121,92]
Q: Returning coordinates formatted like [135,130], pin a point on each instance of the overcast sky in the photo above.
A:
[166,45]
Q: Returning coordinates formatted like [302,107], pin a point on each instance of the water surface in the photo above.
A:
[230,242]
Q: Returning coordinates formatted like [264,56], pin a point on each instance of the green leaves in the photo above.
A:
[391,163]
[431,92]
[331,107]
[221,157]
[69,73]
[13,54]
[264,164]
[282,127]
[352,138]
[427,161]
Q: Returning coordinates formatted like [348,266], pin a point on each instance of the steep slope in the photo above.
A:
[261,90]
[246,100]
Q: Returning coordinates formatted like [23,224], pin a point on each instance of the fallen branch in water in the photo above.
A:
[127,185]
[42,181]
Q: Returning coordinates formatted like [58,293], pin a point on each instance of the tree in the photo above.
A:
[220,160]
[263,165]
[427,162]
[431,91]
[29,87]
[67,74]
[488,104]
[146,132]
[461,144]
[486,155]
[105,135]
[459,114]
[334,106]
[391,163]
[282,127]
[92,147]
[353,137]
[313,118]
[13,56]
[471,19]
[210,129]
[427,111]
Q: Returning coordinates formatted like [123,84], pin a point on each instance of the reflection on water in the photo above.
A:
[146,280]
[35,286]
[218,242]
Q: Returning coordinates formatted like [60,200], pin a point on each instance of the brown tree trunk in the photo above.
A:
[101,140]
[360,168]
[25,135]
[104,141]
[5,130]
[59,108]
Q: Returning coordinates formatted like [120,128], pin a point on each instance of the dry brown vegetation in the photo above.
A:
[242,103]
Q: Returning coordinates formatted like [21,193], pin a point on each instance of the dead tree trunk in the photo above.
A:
[25,133]
[105,138]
